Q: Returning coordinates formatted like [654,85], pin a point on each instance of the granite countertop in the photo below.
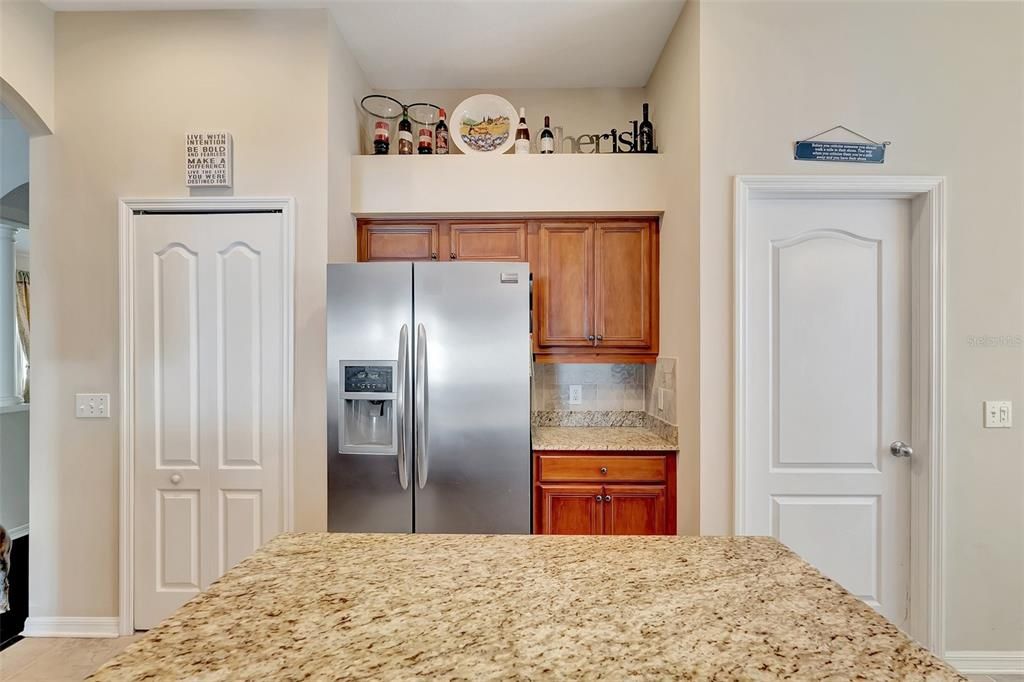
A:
[598,438]
[340,606]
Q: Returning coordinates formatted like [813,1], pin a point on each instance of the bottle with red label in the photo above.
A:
[381,137]
[426,145]
[441,134]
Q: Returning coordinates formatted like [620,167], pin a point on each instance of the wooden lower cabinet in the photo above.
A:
[635,510]
[571,509]
[591,493]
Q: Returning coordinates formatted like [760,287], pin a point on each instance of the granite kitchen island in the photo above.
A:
[332,606]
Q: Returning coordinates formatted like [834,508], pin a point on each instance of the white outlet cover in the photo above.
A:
[92,405]
[998,414]
[575,394]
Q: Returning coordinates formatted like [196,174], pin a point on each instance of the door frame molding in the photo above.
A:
[127,209]
[928,320]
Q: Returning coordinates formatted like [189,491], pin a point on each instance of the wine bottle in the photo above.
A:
[547,138]
[405,134]
[426,145]
[522,134]
[645,138]
[381,137]
[441,134]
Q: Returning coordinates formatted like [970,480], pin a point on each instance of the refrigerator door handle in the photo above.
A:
[402,381]
[421,405]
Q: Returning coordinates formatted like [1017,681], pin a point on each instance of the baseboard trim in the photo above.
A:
[987,662]
[71,627]
[18,531]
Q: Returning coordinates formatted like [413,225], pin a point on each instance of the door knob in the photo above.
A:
[607,498]
[597,497]
[600,338]
[604,470]
[590,338]
[175,479]
[900,449]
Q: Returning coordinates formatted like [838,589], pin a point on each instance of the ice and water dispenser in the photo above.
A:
[367,423]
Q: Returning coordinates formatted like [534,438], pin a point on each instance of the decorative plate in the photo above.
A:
[484,124]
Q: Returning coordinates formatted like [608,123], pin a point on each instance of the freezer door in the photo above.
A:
[368,304]
[472,397]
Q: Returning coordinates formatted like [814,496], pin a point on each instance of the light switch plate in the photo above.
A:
[575,394]
[998,414]
[92,405]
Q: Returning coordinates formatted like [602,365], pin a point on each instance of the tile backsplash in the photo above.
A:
[661,378]
[604,387]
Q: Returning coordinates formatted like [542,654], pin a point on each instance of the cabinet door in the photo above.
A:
[634,510]
[564,285]
[570,509]
[389,242]
[624,284]
[488,241]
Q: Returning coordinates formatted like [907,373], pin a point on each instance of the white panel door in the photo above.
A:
[827,386]
[208,399]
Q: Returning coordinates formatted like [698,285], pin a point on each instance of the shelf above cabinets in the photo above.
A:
[479,184]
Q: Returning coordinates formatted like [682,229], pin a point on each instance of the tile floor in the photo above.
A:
[57,660]
[65,660]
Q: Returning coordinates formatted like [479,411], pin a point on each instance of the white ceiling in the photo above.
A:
[411,44]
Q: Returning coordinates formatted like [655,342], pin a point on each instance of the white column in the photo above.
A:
[8,331]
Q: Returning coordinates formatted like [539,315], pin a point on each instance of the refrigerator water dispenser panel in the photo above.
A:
[367,424]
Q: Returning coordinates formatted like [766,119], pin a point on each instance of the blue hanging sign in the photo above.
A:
[840,152]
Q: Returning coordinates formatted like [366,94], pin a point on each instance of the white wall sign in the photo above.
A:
[208,159]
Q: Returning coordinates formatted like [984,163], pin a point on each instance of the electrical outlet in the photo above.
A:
[92,405]
[998,414]
[575,394]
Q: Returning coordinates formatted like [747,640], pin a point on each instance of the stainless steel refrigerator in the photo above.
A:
[428,406]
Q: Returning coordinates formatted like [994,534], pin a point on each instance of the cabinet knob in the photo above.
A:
[590,338]
[604,470]
[452,255]
[433,256]
[175,479]
[598,498]
[607,498]
[600,338]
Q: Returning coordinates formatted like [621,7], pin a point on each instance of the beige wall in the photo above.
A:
[129,85]
[26,60]
[945,82]
[674,95]
[578,111]
[346,86]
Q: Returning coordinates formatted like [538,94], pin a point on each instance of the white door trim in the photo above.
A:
[126,286]
[928,265]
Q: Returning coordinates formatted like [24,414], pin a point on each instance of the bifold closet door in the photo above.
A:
[209,386]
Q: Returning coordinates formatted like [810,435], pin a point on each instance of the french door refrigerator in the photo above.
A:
[428,406]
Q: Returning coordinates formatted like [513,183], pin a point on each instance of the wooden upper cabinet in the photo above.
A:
[563,287]
[623,297]
[398,241]
[635,509]
[488,241]
[597,290]
[570,509]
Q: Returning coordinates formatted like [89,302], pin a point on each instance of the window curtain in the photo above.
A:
[24,322]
